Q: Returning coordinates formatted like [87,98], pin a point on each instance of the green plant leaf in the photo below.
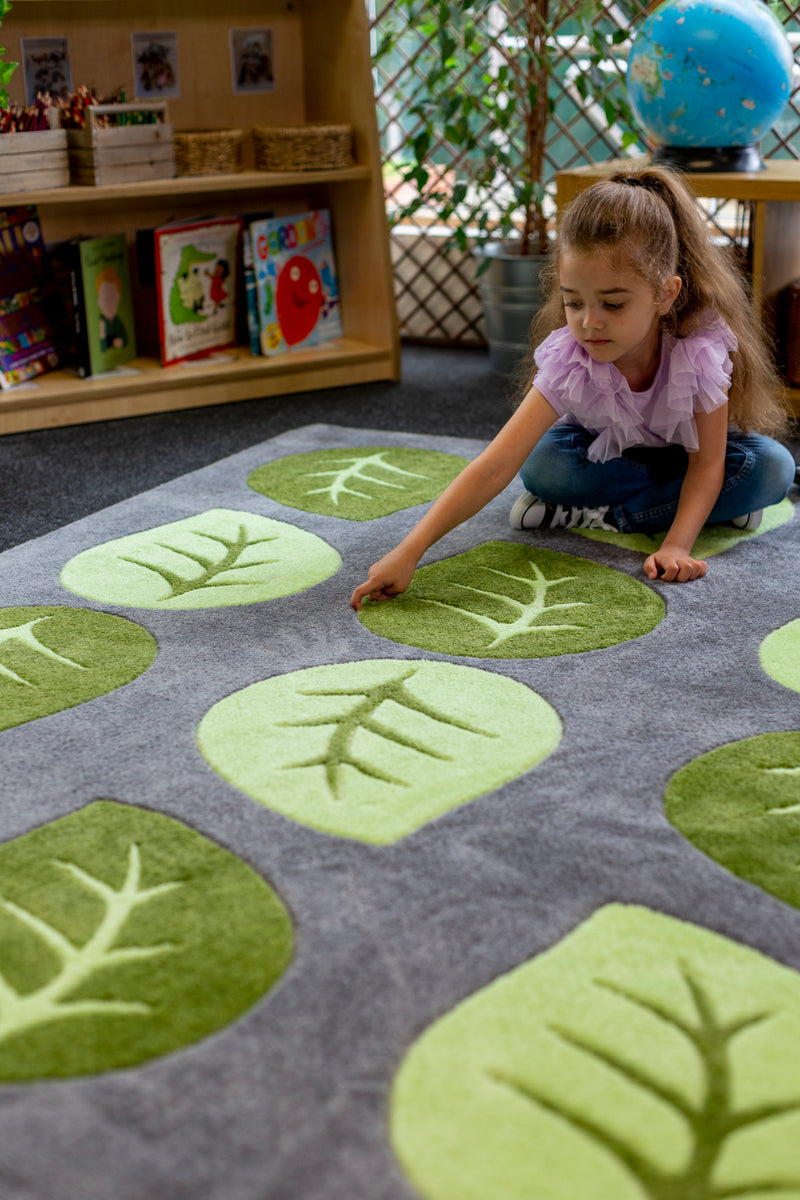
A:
[374,750]
[641,1058]
[217,558]
[357,483]
[740,805]
[507,600]
[52,658]
[125,935]
[713,539]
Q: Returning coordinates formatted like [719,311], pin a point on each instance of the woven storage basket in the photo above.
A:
[303,147]
[208,151]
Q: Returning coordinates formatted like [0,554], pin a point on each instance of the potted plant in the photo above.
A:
[479,133]
[7,69]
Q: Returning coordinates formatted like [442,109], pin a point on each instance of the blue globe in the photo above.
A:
[707,78]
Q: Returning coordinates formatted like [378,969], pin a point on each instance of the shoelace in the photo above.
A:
[581,518]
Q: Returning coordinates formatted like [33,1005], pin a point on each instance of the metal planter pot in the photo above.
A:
[511,293]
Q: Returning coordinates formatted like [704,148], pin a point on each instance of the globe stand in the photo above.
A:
[705,159]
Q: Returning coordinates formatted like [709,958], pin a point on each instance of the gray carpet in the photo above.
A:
[291,1099]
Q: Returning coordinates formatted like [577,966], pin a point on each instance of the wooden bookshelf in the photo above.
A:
[775,228]
[322,73]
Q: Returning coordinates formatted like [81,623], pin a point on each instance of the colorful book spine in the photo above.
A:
[30,340]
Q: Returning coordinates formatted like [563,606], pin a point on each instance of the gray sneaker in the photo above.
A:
[529,512]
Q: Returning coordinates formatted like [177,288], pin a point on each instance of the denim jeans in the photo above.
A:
[642,486]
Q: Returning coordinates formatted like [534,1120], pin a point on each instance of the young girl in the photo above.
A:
[653,396]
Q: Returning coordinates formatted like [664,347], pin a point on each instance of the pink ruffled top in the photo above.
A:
[694,375]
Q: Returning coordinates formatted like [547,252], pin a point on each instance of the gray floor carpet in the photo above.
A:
[482,998]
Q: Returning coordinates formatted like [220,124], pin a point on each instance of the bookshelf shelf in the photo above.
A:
[253,183]
[61,398]
[322,73]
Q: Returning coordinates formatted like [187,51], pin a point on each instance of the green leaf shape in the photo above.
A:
[54,657]
[779,655]
[357,483]
[507,600]
[740,805]
[218,558]
[125,935]
[641,1058]
[713,539]
[373,750]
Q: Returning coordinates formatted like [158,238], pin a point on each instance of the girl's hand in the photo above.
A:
[388,577]
[674,564]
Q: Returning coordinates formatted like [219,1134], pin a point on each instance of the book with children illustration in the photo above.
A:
[296,282]
[32,337]
[102,304]
[197,278]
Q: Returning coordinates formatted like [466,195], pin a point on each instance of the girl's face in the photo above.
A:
[614,313]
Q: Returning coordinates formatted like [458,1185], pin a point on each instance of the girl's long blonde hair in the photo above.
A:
[648,221]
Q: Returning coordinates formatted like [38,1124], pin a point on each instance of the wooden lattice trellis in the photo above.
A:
[437,296]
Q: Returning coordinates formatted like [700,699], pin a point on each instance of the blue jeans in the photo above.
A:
[642,486]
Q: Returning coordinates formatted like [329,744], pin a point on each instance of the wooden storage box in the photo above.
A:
[33,160]
[122,153]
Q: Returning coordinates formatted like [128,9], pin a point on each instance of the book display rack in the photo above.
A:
[322,73]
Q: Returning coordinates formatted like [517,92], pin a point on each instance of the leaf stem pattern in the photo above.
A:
[528,613]
[212,568]
[25,635]
[20,1011]
[783,809]
[339,752]
[355,468]
[711,1122]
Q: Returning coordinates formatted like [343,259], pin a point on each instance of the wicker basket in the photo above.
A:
[303,147]
[208,151]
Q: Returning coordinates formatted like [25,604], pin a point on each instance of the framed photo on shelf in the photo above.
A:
[46,67]
[252,61]
[155,66]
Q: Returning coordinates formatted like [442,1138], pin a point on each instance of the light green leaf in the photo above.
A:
[125,935]
[713,539]
[506,600]
[52,658]
[357,483]
[217,558]
[740,804]
[640,1059]
[780,655]
[376,749]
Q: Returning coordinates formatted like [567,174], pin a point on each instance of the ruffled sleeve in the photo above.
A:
[597,394]
[699,377]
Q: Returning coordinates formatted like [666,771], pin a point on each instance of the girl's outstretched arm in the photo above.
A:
[673,561]
[479,482]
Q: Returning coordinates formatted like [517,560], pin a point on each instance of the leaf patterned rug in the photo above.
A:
[491,892]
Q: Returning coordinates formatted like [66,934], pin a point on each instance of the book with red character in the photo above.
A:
[298,294]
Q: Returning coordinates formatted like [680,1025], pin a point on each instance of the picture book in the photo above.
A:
[102,304]
[253,330]
[32,337]
[296,282]
[197,279]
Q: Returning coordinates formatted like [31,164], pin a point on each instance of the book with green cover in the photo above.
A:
[102,304]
